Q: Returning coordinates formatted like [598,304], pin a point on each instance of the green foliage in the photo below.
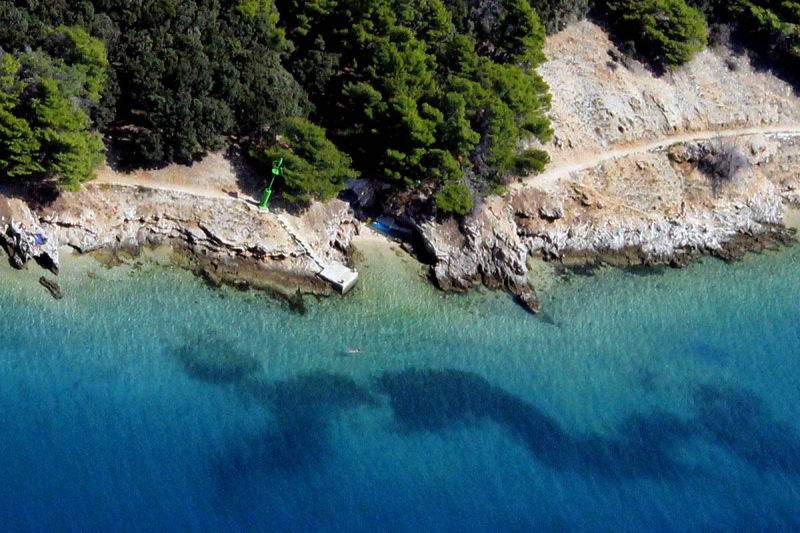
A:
[422,91]
[416,92]
[772,25]
[531,162]
[454,197]
[668,32]
[313,167]
[557,14]
[45,129]
[69,151]
[199,73]
[18,145]
[88,57]
[250,9]
[186,74]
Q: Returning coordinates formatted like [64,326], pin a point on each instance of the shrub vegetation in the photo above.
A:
[438,96]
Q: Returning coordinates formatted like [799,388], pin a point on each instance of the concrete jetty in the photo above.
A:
[338,275]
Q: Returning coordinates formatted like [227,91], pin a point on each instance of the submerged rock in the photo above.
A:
[52,287]
[212,359]
[530,301]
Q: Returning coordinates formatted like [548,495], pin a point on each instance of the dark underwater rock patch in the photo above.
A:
[298,436]
[214,360]
[643,445]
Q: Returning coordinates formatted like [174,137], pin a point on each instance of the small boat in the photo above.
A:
[352,350]
[388,226]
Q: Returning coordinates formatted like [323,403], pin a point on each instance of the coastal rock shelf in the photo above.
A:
[644,209]
[23,239]
[230,241]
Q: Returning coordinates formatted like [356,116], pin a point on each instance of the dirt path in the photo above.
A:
[574,162]
[586,160]
[114,178]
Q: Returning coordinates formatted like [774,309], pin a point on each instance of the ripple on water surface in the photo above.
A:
[146,400]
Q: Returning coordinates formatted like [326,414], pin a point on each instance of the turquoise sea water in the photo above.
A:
[146,401]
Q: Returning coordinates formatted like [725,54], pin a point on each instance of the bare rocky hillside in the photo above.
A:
[630,182]
[601,99]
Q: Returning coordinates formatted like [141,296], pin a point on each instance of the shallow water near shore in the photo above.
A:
[147,401]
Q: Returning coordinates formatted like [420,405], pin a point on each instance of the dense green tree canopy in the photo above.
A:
[424,91]
[185,75]
[314,169]
[668,32]
[770,26]
[46,96]
[439,96]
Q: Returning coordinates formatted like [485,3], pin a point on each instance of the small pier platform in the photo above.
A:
[339,276]
[342,278]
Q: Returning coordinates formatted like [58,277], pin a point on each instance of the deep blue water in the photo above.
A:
[145,401]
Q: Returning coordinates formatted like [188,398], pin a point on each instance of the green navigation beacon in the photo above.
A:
[277,170]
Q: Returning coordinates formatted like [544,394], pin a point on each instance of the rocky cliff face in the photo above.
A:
[484,248]
[669,204]
[650,209]
[225,236]
[602,100]
[23,238]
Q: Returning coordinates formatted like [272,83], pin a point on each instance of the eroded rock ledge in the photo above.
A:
[226,240]
[23,238]
[654,209]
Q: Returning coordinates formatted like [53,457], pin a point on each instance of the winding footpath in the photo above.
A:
[215,193]
[124,180]
[580,161]
[567,164]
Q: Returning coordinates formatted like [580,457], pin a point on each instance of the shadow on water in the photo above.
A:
[212,359]
[646,379]
[548,319]
[739,421]
[585,269]
[298,436]
[709,353]
[436,400]
[298,414]
[643,445]
[644,270]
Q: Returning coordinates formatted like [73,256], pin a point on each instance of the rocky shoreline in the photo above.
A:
[656,225]
[226,242]
[614,200]
[491,247]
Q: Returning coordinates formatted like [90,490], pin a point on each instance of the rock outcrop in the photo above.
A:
[484,248]
[228,238]
[649,209]
[601,101]
[23,238]
[666,205]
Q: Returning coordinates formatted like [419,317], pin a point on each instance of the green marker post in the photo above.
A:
[277,170]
